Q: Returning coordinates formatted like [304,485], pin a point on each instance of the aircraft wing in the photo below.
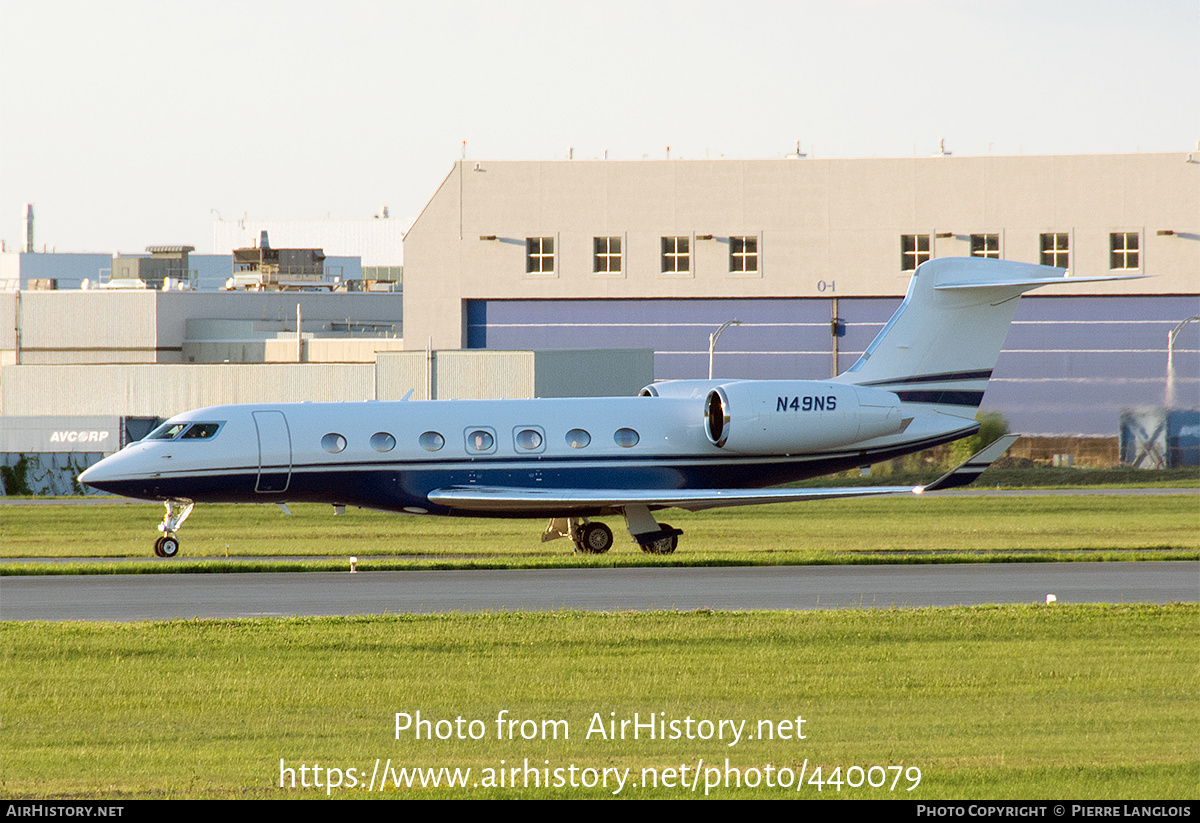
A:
[508,499]
[497,499]
[966,473]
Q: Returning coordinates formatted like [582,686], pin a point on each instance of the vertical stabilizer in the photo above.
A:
[942,343]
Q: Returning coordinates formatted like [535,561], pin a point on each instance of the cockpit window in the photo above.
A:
[167,431]
[201,431]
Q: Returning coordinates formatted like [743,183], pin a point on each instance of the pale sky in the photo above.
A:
[128,123]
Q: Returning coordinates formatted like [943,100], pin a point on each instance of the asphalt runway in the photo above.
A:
[159,597]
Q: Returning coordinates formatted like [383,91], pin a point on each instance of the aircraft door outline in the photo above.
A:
[274,452]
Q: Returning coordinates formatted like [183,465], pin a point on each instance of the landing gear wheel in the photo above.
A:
[167,546]
[594,538]
[666,545]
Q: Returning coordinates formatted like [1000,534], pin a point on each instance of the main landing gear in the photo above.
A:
[589,538]
[177,512]
[597,538]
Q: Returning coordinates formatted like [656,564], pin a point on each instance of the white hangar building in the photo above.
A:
[658,254]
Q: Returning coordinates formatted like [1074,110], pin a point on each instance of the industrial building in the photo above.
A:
[85,372]
[596,277]
[378,242]
[658,254]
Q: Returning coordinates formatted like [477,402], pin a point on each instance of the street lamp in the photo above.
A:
[712,342]
[1171,335]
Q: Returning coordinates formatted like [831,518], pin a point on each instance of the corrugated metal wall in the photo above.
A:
[455,375]
[167,389]
[116,325]
[463,375]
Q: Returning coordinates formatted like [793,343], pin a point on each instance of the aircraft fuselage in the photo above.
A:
[391,455]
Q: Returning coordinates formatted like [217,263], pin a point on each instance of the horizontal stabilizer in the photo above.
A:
[501,499]
[969,471]
[1034,282]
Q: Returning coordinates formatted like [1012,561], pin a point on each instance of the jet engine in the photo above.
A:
[796,416]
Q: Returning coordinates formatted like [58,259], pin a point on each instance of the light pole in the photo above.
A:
[1171,335]
[712,342]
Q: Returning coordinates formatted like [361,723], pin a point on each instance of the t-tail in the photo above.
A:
[941,345]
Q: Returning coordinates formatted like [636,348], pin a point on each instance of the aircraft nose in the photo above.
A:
[111,473]
[97,475]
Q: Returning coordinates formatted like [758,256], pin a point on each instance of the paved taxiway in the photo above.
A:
[156,597]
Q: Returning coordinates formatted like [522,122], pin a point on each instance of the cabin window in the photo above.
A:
[382,442]
[333,443]
[480,440]
[578,439]
[529,440]
[431,441]
[201,431]
[625,438]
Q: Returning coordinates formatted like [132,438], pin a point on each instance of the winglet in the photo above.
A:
[967,472]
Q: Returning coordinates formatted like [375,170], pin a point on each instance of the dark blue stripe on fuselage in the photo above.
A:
[944,398]
[395,489]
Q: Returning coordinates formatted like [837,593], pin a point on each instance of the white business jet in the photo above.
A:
[688,444]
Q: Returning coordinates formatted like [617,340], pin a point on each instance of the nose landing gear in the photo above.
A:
[177,512]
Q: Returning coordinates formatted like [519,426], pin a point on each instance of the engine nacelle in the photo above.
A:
[681,388]
[796,416]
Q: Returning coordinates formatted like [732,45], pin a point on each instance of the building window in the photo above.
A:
[1123,250]
[606,255]
[1056,250]
[675,257]
[743,254]
[914,250]
[539,255]
[985,245]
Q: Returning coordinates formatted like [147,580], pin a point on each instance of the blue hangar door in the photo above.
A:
[274,452]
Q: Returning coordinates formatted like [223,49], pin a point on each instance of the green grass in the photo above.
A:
[946,529]
[1084,702]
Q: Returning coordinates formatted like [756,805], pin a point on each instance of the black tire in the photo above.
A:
[158,547]
[595,538]
[665,545]
[167,546]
